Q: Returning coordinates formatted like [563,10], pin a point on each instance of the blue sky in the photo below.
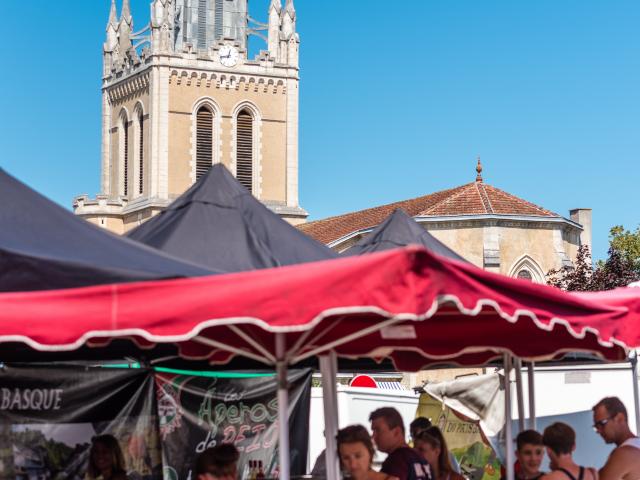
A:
[396,101]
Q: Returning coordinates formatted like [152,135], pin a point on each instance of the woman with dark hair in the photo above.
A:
[106,461]
[356,452]
[430,443]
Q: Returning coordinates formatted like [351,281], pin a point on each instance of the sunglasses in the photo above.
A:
[601,423]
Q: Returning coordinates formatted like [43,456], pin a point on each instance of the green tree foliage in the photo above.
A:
[627,243]
[621,267]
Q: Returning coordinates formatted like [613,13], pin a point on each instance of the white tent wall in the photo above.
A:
[567,394]
[354,406]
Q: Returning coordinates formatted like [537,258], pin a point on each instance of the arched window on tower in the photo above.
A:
[204,141]
[124,152]
[140,152]
[244,149]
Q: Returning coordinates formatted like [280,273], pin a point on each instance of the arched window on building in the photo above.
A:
[140,152]
[526,268]
[244,149]
[204,141]
[525,275]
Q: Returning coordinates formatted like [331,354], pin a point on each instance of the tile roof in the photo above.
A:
[476,198]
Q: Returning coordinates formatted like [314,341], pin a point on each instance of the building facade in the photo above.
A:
[489,227]
[182,94]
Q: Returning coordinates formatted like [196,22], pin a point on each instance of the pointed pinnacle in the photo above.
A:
[113,14]
[275,4]
[479,171]
[126,11]
[290,8]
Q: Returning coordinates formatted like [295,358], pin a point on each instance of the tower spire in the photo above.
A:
[275,5]
[126,12]
[479,170]
[113,14]
[275,9]
[288,20]
[290,8]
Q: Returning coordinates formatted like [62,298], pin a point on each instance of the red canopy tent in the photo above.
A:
[406,299]
[409,304]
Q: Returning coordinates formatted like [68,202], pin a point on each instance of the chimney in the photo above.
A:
[583,217]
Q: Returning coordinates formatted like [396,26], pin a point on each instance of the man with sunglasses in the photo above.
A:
[610,421]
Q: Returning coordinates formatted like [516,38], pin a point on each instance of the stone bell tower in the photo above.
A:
[182,94]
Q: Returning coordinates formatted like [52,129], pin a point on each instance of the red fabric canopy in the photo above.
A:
[408,304]
[627,331]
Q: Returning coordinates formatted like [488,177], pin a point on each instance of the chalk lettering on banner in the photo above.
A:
[36,399]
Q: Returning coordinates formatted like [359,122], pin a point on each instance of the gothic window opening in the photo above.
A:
[202,25]
[141,154]
[125,163]
[204,141]
[244,149]
[525,275]
[219,18]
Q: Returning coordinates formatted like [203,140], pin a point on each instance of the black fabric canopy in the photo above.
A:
[399,230]
[44,247]
[218,223]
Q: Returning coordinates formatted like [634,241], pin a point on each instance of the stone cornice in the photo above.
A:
[144,203]
[518,221]
[101,205]
[280,208]
[228,81]
[451,222]
[260,67]
[129,87]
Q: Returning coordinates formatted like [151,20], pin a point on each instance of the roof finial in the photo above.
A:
[479,170]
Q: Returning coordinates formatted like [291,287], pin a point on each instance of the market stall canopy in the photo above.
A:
[218,223]
[43,246]
[403,303]
[627,331]
[400,230]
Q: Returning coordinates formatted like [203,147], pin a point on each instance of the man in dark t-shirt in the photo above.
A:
[402,461]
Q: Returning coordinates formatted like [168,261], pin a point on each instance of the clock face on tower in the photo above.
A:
[228,56]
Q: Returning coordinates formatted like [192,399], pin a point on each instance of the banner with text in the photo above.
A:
[464,439]
[49,415]
[198,412]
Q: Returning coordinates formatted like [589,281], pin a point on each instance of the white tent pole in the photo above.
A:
[508,434]
[519,393]
[633,358]
[329,372]
[531,372]
[283,407]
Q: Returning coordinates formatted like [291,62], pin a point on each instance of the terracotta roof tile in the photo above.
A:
[475,198]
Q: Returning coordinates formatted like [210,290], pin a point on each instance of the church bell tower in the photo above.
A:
[182,94]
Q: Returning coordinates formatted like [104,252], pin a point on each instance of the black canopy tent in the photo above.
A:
[219,224]
[399,230]
[43,247]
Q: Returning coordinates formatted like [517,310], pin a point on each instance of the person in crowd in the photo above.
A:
[420,424]
[105,459]
[560,442]
[430,443]
[356,452]
[402,461]
[611,422]
[218,463]
[529,452]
